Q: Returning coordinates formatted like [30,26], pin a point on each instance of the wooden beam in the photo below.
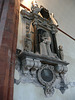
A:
[66,34]
[24,7]
[8,41]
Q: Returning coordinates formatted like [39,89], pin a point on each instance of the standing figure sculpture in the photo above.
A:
[35,9]
[45,44]
[61,54]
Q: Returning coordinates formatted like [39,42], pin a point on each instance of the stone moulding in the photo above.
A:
[42,71]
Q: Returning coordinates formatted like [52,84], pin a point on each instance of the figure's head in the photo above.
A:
[46,36]
[60,47]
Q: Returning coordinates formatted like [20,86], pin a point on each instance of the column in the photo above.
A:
[54,31]
[36,42]
[9,17]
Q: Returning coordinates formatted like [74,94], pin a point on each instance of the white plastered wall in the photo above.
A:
[64,11]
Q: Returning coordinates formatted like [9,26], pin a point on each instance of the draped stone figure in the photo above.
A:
[43,49]
[45,44]
[61,54]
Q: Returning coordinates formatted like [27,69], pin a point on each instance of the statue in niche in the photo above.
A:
[61,54]
[28,43]
[45,44]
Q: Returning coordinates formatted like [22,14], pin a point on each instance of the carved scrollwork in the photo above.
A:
[46,75]
[49,91]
